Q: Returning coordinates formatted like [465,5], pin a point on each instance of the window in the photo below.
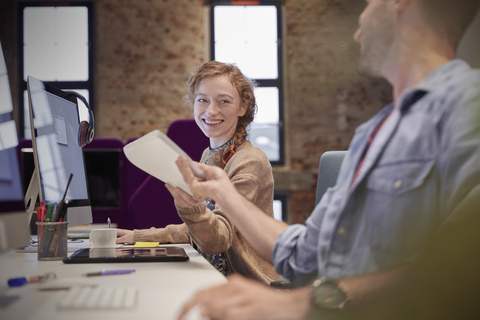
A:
[280,206]
[55,47]
[249,35]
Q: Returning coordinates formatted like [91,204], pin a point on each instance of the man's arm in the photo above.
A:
[441,284]
[370,297]
[260,230]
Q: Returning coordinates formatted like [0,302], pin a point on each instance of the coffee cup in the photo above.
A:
[103,237]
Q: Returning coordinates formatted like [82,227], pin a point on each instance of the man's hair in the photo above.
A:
[450,17]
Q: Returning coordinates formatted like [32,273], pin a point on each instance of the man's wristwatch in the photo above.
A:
[326,294]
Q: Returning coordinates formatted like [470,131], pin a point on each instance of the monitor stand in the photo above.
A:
[30,200]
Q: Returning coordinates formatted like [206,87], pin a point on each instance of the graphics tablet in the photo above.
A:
[130,254]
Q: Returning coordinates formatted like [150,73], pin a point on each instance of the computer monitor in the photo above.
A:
[13,218]
[11,193]
[54,122]
[103,167]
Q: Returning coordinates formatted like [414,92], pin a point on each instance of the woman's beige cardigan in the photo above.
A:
[251,173]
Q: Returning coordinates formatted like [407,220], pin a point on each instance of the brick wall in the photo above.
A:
[146,48]
[326,98]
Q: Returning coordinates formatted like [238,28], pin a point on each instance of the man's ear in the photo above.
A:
[401,5]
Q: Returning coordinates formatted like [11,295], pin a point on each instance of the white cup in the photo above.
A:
[103,238]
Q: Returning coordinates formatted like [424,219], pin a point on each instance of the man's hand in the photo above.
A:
[210,184]
[242,299]
[258,228]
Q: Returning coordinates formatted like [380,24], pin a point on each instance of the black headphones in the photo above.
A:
[86,131]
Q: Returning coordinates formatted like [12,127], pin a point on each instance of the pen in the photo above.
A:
[109,222]
[43,211]
[55,213]
[18,282]
[109,272]
[39,214]
[48,217]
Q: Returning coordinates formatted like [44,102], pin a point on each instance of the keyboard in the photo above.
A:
[98,298]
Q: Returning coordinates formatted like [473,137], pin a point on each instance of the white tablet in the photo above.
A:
[155,153]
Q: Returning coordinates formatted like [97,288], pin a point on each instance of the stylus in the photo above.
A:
[63,210]
[66,189]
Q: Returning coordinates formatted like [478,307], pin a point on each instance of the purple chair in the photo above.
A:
[188,136]
[132,178]
[152,205]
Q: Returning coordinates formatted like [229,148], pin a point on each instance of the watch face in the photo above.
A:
[328,295]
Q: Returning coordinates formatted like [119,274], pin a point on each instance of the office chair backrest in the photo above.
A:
[328,169]
[151,204]
[188,136]
[132,178]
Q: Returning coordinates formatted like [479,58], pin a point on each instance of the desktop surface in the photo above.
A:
[162,287]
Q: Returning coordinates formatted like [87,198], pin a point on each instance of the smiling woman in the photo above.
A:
[223,103]
[217,108]
[221,89]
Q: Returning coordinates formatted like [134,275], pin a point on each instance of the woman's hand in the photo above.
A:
[124,236]
[182,199]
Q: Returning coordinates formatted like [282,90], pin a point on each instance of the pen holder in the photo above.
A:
[52,240]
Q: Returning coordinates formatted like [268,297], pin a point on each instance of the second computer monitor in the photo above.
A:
[57,153]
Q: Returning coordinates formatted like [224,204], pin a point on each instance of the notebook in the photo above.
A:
[129,254]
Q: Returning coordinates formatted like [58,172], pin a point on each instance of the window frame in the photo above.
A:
[64,85]
[277,83]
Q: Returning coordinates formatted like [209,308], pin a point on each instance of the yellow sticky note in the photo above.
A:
[146,244]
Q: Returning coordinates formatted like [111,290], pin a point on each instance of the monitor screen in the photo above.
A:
[14,221]
[10,183]
[10,186]
[103,173]
[14,230]
[57,154]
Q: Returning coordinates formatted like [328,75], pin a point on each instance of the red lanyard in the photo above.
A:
[370,140]
[233,150]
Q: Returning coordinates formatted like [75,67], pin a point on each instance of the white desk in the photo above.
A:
[163,287]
